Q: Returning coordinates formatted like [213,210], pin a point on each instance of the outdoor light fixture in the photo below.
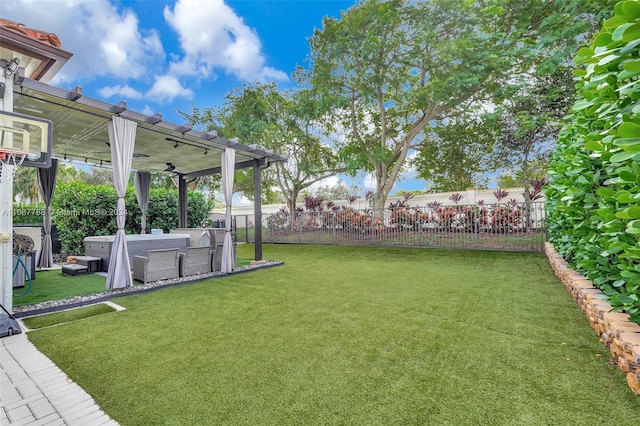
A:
[206,151]
[176,142]
[9,66]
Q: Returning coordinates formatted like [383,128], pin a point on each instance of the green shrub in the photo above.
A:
[28,214]
[163,209]
[82,210]
[593,195]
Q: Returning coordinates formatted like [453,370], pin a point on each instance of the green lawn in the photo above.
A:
[353,336]
[54,285]
[48,320]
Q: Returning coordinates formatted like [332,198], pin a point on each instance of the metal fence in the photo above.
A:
[510,226]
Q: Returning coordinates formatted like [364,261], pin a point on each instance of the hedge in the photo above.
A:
[28,214]
[593,196]
[81,210]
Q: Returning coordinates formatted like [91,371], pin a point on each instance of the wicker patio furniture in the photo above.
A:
[197,260]
[157,265]
[217,239]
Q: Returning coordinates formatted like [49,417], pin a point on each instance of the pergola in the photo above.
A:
[80,133]
[85,129]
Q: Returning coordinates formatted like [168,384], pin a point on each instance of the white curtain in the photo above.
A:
[228,168]
[122,138]
[142,183]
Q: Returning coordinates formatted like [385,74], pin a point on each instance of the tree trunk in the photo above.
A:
[380,197]
[525,184]
[291,205]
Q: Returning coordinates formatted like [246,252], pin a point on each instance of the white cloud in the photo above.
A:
[240,200]
[122,91]
[269,73]
[409,171]
[104,39]
[166,88]
[213,36]
[147,110]
[370,182]
[107,40]
[330,182]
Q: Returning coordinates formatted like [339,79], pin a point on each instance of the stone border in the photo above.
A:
[620,335]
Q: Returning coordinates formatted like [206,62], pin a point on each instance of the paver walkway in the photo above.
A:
[34,391]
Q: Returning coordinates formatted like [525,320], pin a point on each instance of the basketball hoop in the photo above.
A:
[10,157]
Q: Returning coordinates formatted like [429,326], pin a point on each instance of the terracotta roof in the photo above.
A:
[42,36]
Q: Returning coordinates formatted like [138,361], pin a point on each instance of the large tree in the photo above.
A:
[391,68]
[26,181]
[458,155]
[285,123]
[529,123]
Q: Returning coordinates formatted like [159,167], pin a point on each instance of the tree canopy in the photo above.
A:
[387,70]
[285,123]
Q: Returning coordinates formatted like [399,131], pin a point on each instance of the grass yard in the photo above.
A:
[354,336]
[54,285]
[48,320]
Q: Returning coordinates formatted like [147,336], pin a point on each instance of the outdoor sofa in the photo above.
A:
[197,260]
[157,265]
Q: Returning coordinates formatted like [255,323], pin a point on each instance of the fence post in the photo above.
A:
[246,228]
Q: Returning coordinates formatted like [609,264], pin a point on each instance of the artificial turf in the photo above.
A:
[49,320]
[54,285]
[351,335]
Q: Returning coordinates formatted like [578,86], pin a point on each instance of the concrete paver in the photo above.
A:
[34,391]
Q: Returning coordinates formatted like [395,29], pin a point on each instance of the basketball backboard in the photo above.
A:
[29,134]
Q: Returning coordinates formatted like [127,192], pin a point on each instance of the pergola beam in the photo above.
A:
[218,170]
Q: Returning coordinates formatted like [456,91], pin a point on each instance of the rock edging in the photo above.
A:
[620,335]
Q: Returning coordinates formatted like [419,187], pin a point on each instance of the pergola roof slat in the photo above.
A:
[80,132]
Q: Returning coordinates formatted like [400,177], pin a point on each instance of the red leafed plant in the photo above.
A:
[456,198]
[500,194]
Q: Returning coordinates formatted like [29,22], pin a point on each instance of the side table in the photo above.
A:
[94,264]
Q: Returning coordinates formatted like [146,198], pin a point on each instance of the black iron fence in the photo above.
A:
[509,226]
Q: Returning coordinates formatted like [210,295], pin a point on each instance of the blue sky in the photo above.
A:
[164,56]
